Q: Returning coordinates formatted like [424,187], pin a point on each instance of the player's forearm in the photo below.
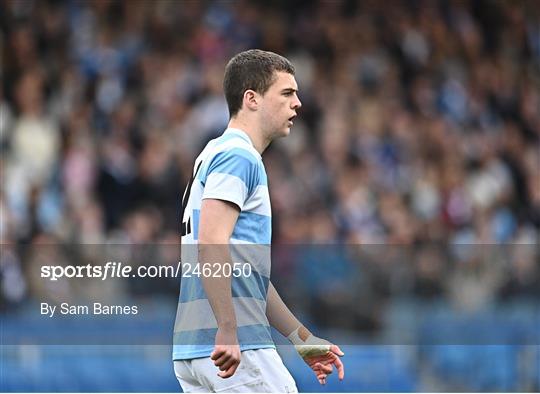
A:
[279,315]
[218,289]
[282,319]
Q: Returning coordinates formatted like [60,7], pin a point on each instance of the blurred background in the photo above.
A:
[410,179]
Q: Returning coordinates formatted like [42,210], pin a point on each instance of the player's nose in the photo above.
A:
[296,103]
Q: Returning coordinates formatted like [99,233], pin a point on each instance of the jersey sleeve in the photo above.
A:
[231,176]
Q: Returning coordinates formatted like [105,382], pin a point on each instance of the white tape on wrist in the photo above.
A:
[311,347]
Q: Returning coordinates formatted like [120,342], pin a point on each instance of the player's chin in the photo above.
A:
[286,131]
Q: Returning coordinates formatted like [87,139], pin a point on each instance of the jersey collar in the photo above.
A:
[242,134]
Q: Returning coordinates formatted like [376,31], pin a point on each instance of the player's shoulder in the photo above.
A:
[233,146]
[231,154]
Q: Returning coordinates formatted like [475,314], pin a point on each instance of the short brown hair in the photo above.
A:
[253,69]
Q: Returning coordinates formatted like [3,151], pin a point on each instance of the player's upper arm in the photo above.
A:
[217,221]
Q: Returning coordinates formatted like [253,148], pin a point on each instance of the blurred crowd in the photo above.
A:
[420,129]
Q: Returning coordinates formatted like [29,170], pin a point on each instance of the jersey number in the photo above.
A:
[186,226]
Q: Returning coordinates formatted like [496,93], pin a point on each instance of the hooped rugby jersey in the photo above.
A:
[229,168]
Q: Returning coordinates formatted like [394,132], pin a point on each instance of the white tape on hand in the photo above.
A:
[307,344]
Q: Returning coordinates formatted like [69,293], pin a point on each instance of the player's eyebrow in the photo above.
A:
[289,90]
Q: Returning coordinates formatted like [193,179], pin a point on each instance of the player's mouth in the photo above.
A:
[291,120]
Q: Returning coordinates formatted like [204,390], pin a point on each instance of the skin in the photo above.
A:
[322,365]
[263,117]
[216,225]
[283,320]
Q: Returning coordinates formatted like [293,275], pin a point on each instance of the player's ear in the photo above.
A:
[251,99]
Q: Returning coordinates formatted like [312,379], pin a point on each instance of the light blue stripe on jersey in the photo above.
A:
[253,228]
[196,214]
[254,285]
[238,162]
[200,343]
[250,227]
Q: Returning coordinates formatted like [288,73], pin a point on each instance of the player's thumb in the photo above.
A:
[335,349]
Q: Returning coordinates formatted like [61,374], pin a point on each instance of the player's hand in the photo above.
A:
[226,354]
[322,364]
[318,353]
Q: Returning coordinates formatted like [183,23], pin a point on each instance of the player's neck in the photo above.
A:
[255,135]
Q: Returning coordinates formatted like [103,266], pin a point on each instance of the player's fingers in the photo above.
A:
[318,374]
[314,360]
[217,353]
[228,364]
[321,377]
[317,359]
[225,374]
[335,349]
[327,369]
[340,368]
[229,372]
[222,359]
